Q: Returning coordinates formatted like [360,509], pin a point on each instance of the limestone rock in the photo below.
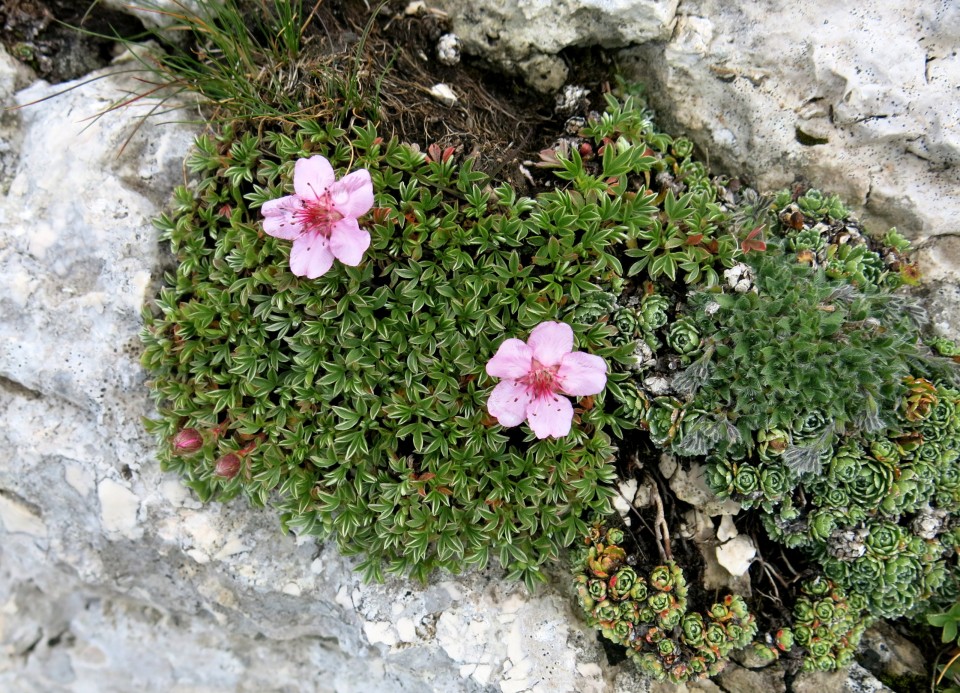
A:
[860,103]
[854,680]
[156,13]
[742,680]
[525,37]
[942,301]
[737,554]
[623,502]
[885,652]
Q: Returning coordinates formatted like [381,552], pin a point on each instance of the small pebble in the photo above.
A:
[444,94]
[448,49]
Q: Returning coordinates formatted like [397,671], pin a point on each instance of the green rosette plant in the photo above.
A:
[666,640]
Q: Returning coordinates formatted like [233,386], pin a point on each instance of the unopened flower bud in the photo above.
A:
[186,441]
[227,466]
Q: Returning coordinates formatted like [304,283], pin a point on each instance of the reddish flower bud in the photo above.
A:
[586,150]
[227,466]
[186,441]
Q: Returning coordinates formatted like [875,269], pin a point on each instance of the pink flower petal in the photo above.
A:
[508,402]
[311,177]
[279,220]
[310,256]
[550,416]
[352,195]
[550,341]
[348,241]
[582,374]
[512,360]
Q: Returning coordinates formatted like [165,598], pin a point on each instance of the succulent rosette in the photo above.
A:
[660,602]
[834,497]
[604,560]
[803,612]
[682,148]
[692,628]
[784,639]
[771,442]
[715,635]
[823,522]
[774,482]
[845,466]
[920,400]
[597,589]
[622,582]
[629,611]
[662,578]
[683,336]
[747,480]
[824,609]
[606,612]
[719,612]
[653,312]
[627,322]
[809,426]
[885,539]
[872,483]
[720,475]
[664,419]
[884,450]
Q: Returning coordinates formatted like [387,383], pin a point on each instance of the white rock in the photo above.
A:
[406,630]
[293,589]
[79,477]
[623,501]
[877,86]
[668,465]
[737,554]
[444,94]
[16,516]
[448,49]
[727,529]
[380,632]
[118,509]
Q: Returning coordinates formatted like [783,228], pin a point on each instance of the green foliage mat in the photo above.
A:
[359,397]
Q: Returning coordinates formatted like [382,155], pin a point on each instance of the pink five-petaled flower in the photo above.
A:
[321,217]
[534,372]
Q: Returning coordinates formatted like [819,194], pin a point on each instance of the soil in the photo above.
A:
[60,39]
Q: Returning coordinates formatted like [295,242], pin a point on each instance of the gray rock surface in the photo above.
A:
[112,576]
[524,37]
[860,101]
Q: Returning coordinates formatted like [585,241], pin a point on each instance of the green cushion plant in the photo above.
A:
[357,401]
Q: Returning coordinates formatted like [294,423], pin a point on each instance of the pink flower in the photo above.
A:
[533,374]
[321,217]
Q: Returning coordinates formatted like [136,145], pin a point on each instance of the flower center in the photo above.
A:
[542,380]
[317,215]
